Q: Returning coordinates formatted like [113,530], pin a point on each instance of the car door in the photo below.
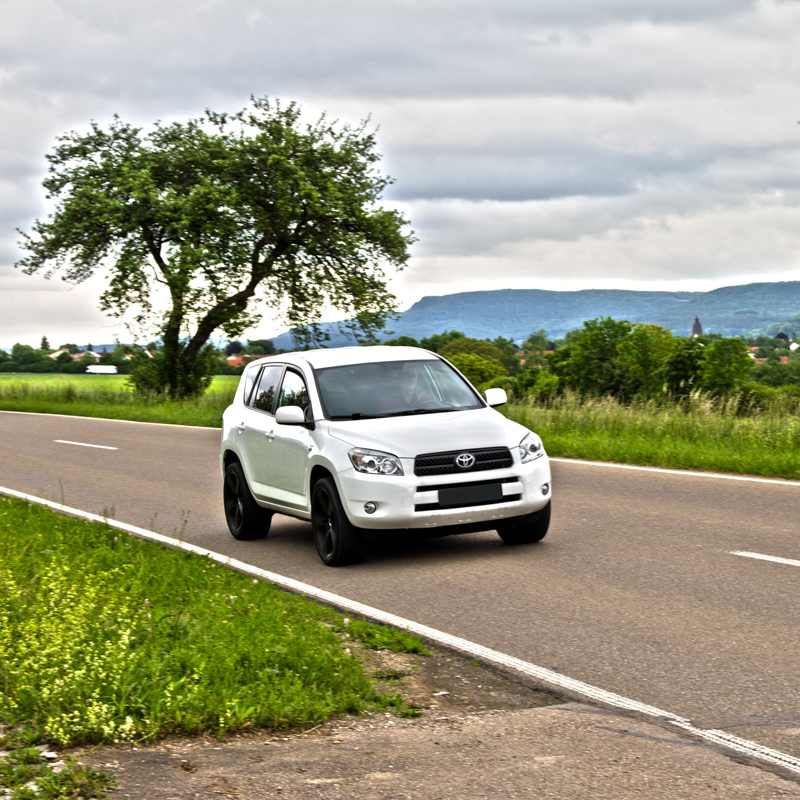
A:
[291,445]
[257,430]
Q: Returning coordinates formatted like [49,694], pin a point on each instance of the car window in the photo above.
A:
[249,379]
[394,388]
[293,391]
[264,395]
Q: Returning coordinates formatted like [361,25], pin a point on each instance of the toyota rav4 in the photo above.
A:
[371,439]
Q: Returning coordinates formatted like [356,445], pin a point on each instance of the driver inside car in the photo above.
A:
[405,393]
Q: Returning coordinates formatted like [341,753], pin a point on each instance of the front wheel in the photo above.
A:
[527,529]
[246,519]
[338,541]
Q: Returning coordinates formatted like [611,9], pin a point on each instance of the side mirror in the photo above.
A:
[290,415]
[495,397]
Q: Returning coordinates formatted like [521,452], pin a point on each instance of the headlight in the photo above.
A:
[530,447]
[374,462]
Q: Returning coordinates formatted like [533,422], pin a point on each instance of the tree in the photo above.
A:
[476,347]
[438,340]
[589,362]
[533,348]
[219,211]
[640,356]
[27,356]
[508,354]
[403,341]
[476,369]
[724,366]
[260,347]
[681,369]
[233,348]
[45,345]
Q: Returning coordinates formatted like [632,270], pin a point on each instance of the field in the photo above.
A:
[110,396]
[699,434]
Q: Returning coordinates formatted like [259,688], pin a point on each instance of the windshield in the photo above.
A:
[394,388]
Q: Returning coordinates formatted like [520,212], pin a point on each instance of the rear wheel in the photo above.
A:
[527,529]
[246,519]
[338,541]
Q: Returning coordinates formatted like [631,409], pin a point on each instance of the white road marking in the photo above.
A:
[110,419]
[84,444]
[761,557]
[574,687]
[685,472]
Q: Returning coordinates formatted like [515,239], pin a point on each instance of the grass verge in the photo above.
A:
[108,396]
[698,435]
[107,638]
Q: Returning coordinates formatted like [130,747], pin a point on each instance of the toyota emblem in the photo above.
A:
[465,460]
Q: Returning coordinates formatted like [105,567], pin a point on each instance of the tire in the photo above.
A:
[525,530]
[246,519]
[338,541]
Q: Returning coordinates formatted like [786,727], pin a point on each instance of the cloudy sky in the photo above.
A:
[556,144]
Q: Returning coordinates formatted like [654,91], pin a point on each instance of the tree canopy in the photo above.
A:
[223,213]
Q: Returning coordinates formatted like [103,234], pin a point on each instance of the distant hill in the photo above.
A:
[515,313]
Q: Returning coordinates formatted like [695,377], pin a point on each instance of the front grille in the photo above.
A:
[445,463]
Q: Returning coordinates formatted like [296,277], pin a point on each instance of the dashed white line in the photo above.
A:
[111,419]
[554,679]
[761,557]
[84,444]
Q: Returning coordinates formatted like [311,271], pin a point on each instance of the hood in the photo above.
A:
[407,437]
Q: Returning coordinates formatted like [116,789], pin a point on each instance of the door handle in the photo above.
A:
[240,427]
[270,435]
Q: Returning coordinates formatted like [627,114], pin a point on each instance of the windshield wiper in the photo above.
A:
[411,411]
[356,415]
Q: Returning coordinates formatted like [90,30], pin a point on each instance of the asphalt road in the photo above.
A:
[634,589]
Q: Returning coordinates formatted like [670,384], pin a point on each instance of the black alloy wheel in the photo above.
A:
[245,517]
[338,542]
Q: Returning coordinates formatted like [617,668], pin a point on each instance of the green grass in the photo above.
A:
[109,396]
[108,638]
[701,435]
[24,767]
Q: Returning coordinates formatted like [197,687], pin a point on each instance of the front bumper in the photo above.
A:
[412,502]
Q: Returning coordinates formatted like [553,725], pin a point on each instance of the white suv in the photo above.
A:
[373,439]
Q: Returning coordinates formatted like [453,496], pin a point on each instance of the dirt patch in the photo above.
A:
[445,687]
[446,681]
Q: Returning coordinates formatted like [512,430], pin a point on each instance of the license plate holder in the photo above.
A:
[470,495]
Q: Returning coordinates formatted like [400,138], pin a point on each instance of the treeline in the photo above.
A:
[628,361]
[70,359]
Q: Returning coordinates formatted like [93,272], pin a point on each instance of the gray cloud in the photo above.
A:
[596,142]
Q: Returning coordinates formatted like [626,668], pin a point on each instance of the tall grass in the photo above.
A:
[108,638]
[110,396]
[701,433]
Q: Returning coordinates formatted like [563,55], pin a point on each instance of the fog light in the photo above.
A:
[545,488]
[370,507]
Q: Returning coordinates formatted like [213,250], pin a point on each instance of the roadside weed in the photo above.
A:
[108,638]
[381,637]
[26,774]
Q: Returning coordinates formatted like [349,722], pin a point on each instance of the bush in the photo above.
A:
[150,377]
